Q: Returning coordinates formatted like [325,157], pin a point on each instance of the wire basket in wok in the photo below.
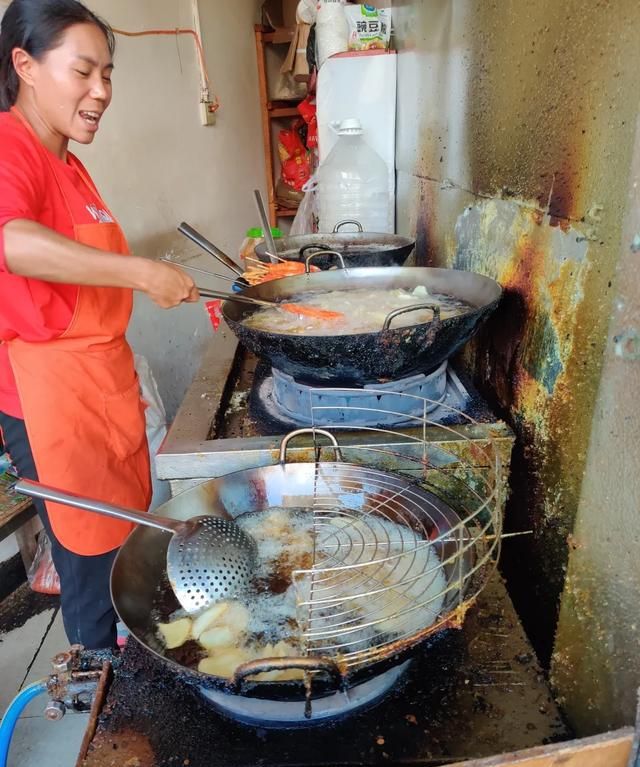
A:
[407,528]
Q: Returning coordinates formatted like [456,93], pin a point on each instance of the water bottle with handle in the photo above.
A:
[353,183]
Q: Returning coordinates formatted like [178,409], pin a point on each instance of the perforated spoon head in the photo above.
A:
[210,559]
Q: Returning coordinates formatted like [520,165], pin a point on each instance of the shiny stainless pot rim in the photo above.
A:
[232,492]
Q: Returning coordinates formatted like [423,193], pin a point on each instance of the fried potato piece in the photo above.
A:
[280,650]
[236,618]
[225,661]
[210,616]
[218,636]
[175,633]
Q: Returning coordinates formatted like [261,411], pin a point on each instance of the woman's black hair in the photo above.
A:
[37,26]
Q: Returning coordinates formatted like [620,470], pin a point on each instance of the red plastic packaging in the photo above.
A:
[42,575]
[214,308]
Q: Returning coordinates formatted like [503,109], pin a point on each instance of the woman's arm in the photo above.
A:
[33,250]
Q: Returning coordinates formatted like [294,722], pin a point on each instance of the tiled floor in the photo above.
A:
[25,655]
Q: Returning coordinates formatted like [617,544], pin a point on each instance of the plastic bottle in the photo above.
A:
[332,29]
[353,183]
[253,237]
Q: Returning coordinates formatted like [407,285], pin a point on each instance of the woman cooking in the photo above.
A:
[70,407]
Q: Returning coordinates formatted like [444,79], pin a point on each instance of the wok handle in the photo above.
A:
[346,221]
[414,308]
[45,493]
[317,246]
[309,259]
[209,247]
[288,437]
[263,665]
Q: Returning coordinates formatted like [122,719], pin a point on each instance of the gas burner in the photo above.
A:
[272,713]
[293,404]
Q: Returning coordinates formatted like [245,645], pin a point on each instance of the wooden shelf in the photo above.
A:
[272,110]
[283,112]
[278,37]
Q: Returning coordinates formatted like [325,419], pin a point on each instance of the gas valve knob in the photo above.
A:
[54,710]
[61,662]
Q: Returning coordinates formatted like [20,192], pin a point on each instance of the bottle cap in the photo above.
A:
[256,232]
[349,127]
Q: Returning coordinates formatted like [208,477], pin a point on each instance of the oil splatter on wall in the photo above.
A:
[516,124]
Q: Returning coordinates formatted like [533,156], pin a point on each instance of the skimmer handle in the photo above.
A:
[266,227]
[36,490]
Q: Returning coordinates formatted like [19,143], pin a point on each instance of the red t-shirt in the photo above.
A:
[32,309]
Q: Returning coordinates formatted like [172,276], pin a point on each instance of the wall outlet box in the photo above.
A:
[207,113]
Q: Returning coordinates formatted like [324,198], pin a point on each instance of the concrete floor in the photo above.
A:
[25,655]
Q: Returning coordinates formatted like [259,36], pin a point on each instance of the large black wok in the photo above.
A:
[138,579]
[366,358]
[357,248]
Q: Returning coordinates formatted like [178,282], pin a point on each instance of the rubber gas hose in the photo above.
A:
[12,714]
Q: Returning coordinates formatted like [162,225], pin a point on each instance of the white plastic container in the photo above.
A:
[332,29]
[353,183]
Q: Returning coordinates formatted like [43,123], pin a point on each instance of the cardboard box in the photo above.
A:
[279,14]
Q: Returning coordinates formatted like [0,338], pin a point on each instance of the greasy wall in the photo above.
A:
[516,124]
[596,664]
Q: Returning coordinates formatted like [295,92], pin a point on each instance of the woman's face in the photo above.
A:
[71,84]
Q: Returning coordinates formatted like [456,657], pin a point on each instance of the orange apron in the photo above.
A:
[81,402]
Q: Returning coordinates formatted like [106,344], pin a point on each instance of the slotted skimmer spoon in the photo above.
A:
[208,558]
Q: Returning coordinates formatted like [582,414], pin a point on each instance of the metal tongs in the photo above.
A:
[293,308]
[209,247]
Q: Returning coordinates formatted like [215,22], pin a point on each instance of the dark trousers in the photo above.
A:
[88,615]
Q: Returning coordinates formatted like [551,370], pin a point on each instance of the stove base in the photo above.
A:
[329,405]
[473,693]
[272,714]
[278,403]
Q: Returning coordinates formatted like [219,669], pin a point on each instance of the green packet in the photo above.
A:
[369,27]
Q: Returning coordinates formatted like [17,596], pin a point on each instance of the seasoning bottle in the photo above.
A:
[253,237]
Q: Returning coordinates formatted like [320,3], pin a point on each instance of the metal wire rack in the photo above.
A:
[407,528]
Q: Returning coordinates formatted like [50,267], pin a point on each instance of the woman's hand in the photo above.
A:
[168,285]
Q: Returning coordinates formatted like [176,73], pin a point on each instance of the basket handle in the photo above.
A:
[286,439]
[414,308]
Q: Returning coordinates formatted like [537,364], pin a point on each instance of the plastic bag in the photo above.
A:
[294,158]
[156,426]
[306,218]
[307,109]
[42,575]
[369,27]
